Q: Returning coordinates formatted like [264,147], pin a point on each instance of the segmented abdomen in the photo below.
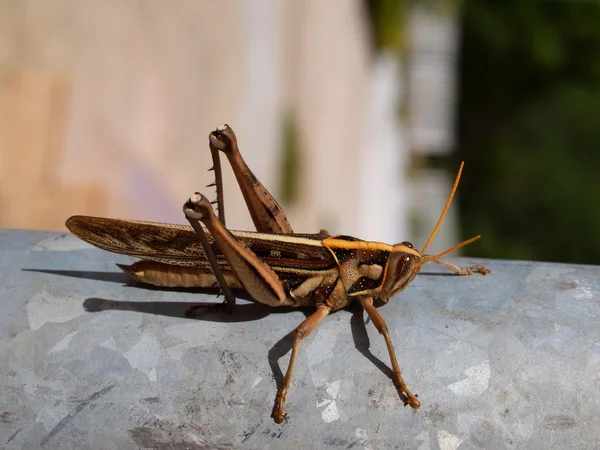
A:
[159,274]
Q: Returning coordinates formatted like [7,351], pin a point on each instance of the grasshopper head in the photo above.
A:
[405,262]
[402,267]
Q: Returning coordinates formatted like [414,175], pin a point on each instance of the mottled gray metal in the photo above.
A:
[509,360]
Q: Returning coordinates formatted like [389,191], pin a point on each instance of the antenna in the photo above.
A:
[439,222]
[451,249]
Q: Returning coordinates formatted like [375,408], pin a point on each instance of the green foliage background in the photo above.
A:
[528,123]
[529,129]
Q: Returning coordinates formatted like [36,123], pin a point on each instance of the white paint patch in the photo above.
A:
[334,388]
[144,355]
[44,307]
[584,293]
[256,381]
[331,413]
[477,381]
[62,243]
[361,433]
[448,441]
[110,344]
[63,344]
[323,402]
[197,440]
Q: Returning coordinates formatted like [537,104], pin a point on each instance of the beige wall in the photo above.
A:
[105,106]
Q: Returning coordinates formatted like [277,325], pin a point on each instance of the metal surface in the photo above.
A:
[509,360]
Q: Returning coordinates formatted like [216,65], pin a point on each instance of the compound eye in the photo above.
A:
[407,244]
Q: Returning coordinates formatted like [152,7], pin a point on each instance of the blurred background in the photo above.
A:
[354,113]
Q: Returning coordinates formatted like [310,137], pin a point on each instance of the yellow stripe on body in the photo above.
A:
[333,243]
[298,240]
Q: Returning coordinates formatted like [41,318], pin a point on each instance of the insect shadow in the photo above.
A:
[111,277]
[245,312]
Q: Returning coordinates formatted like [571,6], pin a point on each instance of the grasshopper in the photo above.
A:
[274,265]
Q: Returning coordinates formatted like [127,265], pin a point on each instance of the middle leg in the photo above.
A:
[303,330]
[257,278]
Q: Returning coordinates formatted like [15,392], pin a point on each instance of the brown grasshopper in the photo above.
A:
[274,265]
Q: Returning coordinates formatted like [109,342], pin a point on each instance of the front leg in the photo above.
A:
[267,215]
[303,330]
[367,304]
[462,270]
[257,278]
[212,259]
